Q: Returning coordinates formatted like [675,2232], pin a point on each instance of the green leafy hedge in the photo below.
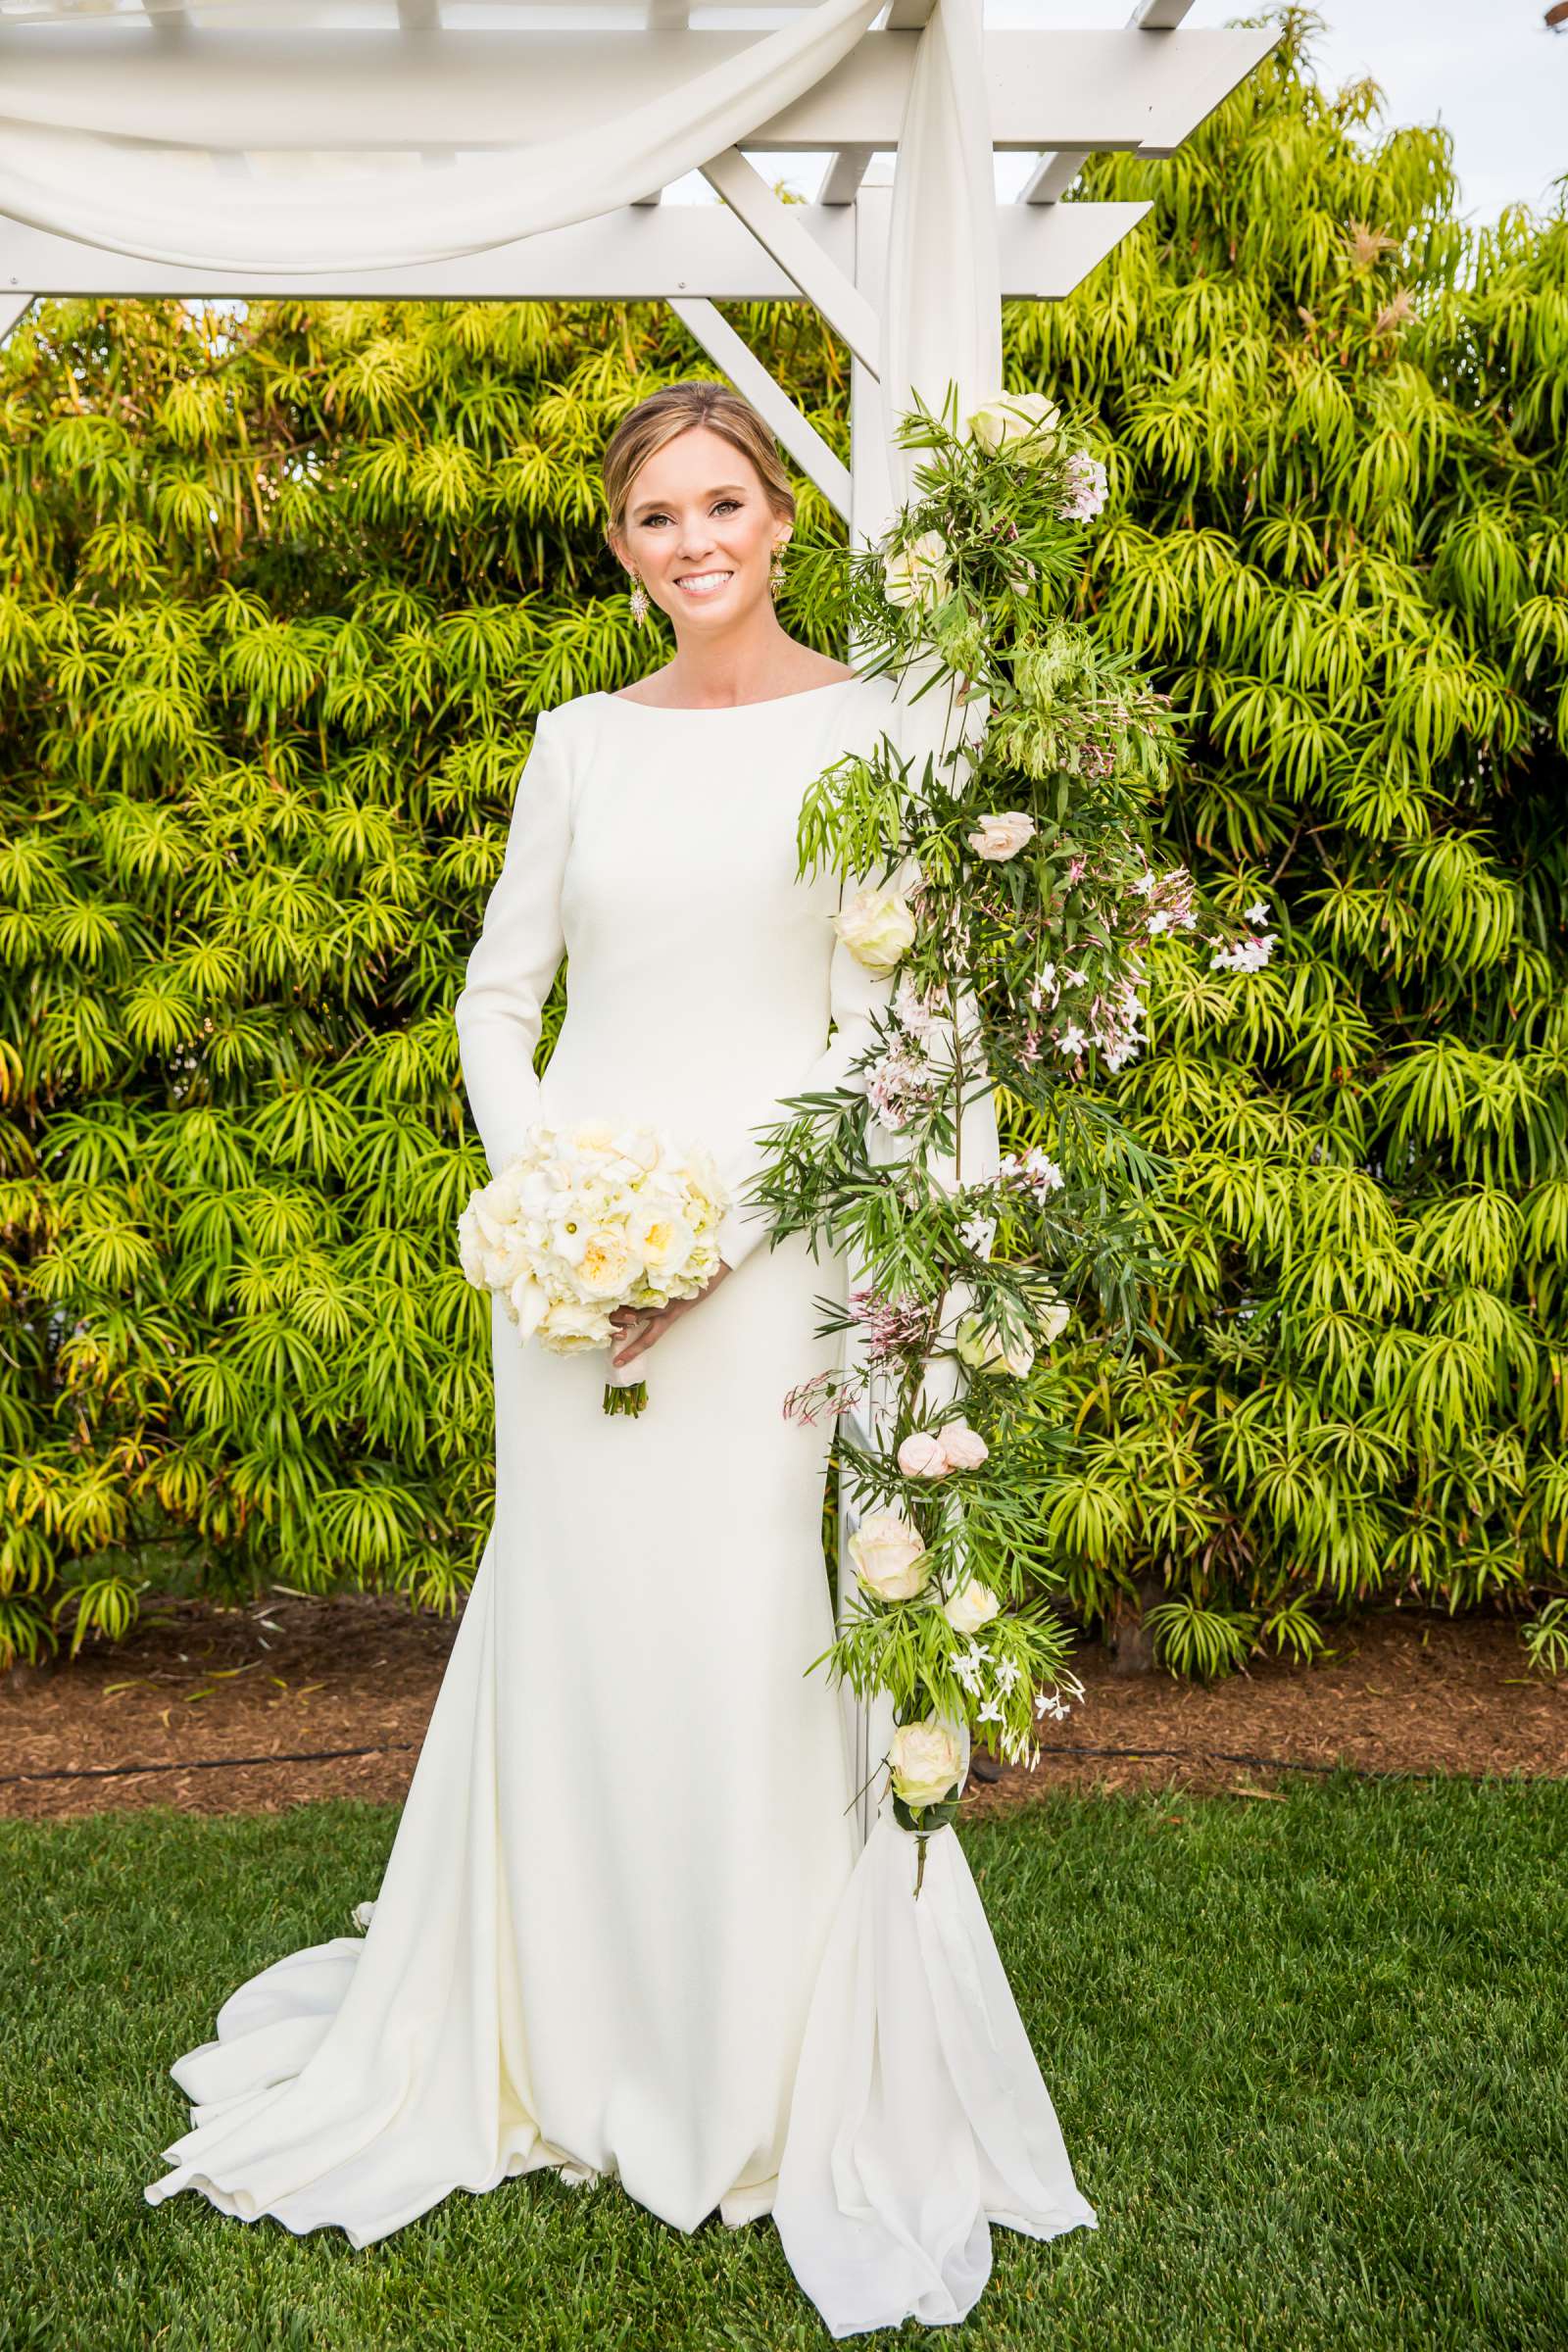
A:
[280,593]
[1335,427]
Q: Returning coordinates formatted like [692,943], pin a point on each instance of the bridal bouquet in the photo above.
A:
[588,1218]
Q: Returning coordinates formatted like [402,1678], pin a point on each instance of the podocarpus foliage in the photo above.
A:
[281,595]
[1335,423]
[278,596]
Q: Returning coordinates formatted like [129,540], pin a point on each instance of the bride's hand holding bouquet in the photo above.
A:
[593,1230]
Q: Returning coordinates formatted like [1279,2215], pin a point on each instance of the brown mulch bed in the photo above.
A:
[1408,1690]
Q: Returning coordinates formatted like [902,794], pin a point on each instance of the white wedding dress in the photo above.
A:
[628,1927]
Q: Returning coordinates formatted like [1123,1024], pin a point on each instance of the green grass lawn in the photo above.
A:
[1309,2057]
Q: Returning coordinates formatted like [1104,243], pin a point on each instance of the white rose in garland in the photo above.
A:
[889,1556]
[927,1759]
[922,1455]
[964,1448]
[877,926]
[1013,418]
[973,1606]
[980,1349]
[1001,835]
[917,574]
[925,1767]
[1054,1319]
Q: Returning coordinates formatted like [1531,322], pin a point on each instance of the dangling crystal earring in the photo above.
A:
[638,601]
[775,578]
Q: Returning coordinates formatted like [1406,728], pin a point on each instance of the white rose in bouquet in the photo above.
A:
[608,1264]
[567,1328]
[589,1218]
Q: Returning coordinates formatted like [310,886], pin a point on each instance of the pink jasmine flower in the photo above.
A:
[1084,489]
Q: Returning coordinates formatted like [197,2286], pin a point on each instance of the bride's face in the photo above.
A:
[699,531]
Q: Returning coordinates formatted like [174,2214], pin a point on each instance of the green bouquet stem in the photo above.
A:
[629,1399]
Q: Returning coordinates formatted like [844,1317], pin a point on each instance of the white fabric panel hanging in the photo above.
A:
[300,210]
[944,280]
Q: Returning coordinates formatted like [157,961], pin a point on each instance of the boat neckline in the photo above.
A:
[769,702]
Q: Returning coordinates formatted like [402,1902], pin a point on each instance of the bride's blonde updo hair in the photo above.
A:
[672,409]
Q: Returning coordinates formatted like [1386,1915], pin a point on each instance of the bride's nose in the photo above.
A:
[694,546]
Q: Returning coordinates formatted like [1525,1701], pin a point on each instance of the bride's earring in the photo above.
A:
[638,601]
[775,578]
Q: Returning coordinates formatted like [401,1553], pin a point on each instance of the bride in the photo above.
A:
[620,1930]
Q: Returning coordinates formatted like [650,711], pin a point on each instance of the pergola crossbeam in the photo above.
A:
[636,253]
[777,230]
[1134,88]
[1055,174]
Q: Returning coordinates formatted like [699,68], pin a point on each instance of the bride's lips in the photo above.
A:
[715,587]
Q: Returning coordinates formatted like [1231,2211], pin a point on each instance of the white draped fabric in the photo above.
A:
[919,2112]
[177,197]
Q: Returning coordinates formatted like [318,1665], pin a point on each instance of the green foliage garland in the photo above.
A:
[1008,885]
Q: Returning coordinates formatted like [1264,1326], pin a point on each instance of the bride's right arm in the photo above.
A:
[499,1012]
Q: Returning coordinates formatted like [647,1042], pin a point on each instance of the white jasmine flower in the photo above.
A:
[968,1666]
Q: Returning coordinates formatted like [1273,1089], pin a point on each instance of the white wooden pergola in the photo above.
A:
[339,148]
[433,80]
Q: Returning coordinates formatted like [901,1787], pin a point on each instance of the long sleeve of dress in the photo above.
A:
[509,975]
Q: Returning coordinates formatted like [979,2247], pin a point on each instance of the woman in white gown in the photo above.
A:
[629,1832]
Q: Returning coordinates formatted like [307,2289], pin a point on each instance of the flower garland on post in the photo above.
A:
[1016,901]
